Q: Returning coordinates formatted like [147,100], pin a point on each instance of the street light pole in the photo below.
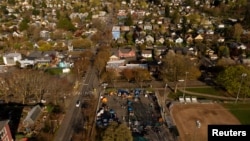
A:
[242,76]
[165,90]
[185,84]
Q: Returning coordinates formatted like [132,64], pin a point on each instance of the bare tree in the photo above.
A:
[110,76]
[27,84]
[142,75]
[128,74]
[101,60]
[81,65]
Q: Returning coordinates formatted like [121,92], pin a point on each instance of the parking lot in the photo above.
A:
[138,109]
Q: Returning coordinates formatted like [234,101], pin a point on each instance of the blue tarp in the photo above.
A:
[137,91]
[129,103]
[130,108]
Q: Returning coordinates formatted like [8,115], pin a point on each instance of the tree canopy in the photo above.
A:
[234,77]
[117,132]
[175,66]
[65,23]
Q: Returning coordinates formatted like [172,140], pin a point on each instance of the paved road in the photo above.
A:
[74,115]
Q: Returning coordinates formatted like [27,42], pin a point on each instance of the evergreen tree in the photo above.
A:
[167,11]
[64,22]
[24,24]
[129,20]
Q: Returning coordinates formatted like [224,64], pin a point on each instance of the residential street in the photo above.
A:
[73,114]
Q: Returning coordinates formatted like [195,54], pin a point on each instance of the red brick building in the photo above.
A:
[5,133]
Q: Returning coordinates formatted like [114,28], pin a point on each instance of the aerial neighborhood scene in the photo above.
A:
[124,70]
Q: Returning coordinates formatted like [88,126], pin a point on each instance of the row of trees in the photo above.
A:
[227,72]
[24,85]
[139,75]
[82,63]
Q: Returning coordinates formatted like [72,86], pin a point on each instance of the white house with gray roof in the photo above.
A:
[11,58]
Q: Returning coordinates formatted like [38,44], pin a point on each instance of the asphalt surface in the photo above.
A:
[74,115]
[143,112]
[144,122]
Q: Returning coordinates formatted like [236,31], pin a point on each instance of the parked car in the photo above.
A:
[78,103]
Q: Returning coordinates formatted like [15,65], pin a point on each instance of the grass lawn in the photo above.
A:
[208,90]
[240,110]
[205,90]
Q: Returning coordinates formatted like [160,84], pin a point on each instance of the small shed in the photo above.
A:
[32,116]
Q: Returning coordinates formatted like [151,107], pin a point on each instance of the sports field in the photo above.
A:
[185,116]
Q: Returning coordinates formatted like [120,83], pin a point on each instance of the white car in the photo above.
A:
[78,103]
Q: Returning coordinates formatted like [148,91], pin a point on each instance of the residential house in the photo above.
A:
[24,63]
[70,47]
[213,57]
[148,26]
[146,54]
[45,34]
[102,13]
[135,66]
[211,54]
[179,40]
[160,21]
[122,14]
[210,32]
[206,23]
[189,39]
[156,27]
[115,64]
[221,26]
[121,40]
[221,39]
[160,40]
[32,116]
[5,132]
[43,59]
[113,58]
[17,34]
[118,65]
[150,39]
[11,58]
[138,14]
[198,38]
[125,28]
[200,31]
[139,40]
[160,50]
[246,61]
[192,51]
[79,15]
[126,53]
[116,32]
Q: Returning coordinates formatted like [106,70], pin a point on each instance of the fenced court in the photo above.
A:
[192,119]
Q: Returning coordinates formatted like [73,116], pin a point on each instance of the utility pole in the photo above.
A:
[243,75]
[185,83]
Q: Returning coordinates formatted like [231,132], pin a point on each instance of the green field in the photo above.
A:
[208,90]
[203,90]
[240,110]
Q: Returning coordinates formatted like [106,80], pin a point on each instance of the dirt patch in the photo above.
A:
[186,115]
